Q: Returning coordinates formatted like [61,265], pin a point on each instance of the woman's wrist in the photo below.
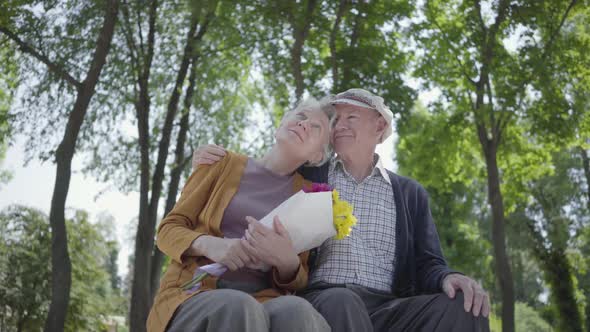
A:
[199,246]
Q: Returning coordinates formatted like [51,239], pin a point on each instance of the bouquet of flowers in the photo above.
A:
[311,216]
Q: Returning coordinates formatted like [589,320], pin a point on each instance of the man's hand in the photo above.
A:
[476,298]
[207,155]
[229,252]
[272,247]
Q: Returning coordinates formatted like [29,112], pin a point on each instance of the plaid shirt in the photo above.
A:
[366,257]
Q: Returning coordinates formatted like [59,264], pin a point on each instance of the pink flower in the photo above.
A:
[317,187]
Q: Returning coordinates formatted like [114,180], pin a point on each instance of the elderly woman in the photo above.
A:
[215,220]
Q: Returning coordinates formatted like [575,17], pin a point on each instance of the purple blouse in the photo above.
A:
[260,191]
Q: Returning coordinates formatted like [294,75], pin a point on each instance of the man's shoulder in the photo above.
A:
[405,183]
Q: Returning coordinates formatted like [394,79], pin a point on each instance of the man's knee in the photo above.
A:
[341,299]
[456,304]
[292,313]
[455,308]
[343,309]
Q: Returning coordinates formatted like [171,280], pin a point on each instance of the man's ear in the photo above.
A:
[381,126]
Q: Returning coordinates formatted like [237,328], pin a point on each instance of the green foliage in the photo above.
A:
[527,319]
[495,323]
[555,213]
[501,71]
[25,271]
[65,32]
[244,67]
[431,145]
[5,175]
[8,85]
[371,51]
[226,91]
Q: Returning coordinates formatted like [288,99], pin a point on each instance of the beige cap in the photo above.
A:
[364,98]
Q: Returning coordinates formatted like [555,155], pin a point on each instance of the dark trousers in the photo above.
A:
[355,308]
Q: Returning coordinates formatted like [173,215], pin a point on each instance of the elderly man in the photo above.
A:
[389,274]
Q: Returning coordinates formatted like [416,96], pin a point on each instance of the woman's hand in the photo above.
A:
[272,247]
[229,252]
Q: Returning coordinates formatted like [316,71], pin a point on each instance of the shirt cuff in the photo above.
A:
[182,244]
[298,282]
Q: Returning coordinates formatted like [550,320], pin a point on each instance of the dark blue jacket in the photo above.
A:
[419,263]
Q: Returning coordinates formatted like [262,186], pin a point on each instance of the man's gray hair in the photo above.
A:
[323,105]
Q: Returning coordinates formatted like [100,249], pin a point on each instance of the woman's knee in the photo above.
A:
[230,300]
[292,306]
[210,311]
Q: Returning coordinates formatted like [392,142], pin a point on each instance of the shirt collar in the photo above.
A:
[377,168]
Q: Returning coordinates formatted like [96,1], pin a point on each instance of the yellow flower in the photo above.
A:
[343,217]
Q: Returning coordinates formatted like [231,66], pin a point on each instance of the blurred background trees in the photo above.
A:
[491,101]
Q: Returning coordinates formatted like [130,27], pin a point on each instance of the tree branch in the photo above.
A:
[333,35]
[454,50]
[479,17]
[129,39]
[140,31]
[494,123]
[53,67]
[151,34]
[554,35]
[586,167]
[546,49]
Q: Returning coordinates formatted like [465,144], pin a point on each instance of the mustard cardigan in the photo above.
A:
[198,212]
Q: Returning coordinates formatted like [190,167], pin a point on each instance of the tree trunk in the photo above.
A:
[333,52]
[175,173]
[558,275]
[301,28]
[141,299]
[490,149]
[61,277]
[354,39]
[137,310]
[501,262]
[20,324]
[586,167]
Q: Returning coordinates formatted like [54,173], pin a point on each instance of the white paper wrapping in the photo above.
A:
[308,218]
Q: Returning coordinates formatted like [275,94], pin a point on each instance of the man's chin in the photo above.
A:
[342,140]
[342,146]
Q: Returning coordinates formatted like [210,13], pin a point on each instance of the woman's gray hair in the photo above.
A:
[323,105]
